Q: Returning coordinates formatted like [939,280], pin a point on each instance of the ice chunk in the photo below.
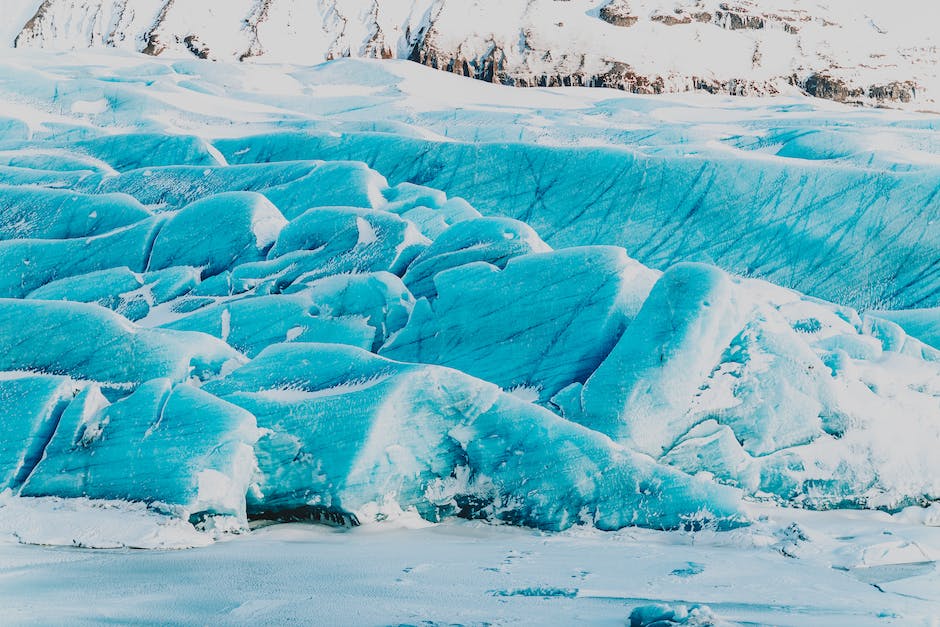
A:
[251,222]
[405,196]
[90,342]
[552,473]
[345,428]
[714,448]
[178,448]
[379,297]
[175,186]
[10,175]
[293,187]
[642,390]
[330,241]
[27,264]
[131,294]
[854,345]
[31,405]
[28,212]
[252,324]
[783,393]
[337,183]
[924,324]
[433,222]
[493,240]
[670,616]
[427,208]
[379,239]
[137,150]
[52,159]
[890,336]
[543,322]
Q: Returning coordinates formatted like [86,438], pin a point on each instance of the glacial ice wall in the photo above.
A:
[230,327]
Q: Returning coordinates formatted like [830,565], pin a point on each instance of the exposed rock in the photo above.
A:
[822,85]
[258,16]
[376,47]
[671,19]
[622,76]
[153,44]
[618,13]
[740,17]
[196,47]
[33,27]
[735,87]
[489,67]
[738,21]
[903,91]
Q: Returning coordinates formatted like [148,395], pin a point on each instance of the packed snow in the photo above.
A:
[792,568]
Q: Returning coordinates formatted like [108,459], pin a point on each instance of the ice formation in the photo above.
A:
[834,202]
[241,327]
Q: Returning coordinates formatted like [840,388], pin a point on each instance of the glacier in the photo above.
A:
[834,202]
[234,292]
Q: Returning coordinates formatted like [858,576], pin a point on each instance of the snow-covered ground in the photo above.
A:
[793,568]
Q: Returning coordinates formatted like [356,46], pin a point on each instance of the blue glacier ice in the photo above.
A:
[544,321]
[131,294]
[350,239]
[369,303]
[252,324]
[137,150]
[839,204]
[344,428]
[293,187]
[924,324]
[638,393]
[88,342]
[63,214]
[379,298]
[28,264]
[53,160]
[492,240]
[251,222]
[176,446]
[33,405]
[427,208]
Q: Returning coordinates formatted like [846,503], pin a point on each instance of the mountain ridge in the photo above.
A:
[862,52]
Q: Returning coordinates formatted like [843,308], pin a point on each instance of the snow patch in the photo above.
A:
[95,524]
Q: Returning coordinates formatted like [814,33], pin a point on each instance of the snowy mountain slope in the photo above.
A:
[347,347]
[869,51]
